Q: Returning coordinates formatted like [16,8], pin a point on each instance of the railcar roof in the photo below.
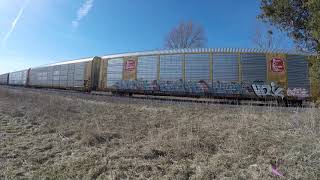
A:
[24,70]
[210,50]
[66,62]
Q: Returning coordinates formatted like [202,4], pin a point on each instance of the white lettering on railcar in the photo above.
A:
[263,90]
[298,92]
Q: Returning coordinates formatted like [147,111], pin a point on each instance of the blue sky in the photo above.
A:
[37,32]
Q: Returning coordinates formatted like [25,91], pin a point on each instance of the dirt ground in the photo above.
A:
[66,137]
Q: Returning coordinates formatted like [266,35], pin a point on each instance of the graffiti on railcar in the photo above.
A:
[165,86]
[181,86]
[258,88]
[227,88]
[171,86]
[185,86]
[264,90]
[247,87]
[197,86]
[141,85]
[298,92]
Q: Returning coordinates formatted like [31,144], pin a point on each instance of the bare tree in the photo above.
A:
[186,35]
[264,37]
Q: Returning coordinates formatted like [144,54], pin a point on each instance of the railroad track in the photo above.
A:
[192,99]
[150,97]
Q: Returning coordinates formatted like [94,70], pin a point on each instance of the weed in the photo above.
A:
[57,136]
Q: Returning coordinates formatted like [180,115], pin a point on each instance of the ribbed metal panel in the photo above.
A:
[114,71]
[49,71]
[4,78]
[34,73]
[66,75]
[41,76]
[56,76]
[253,67]
[197,67]
[225,67]
[18,78]
[63,76]
[79,74]
[298,72]
[147,68]
[171,67]
[71,74]
[33,77]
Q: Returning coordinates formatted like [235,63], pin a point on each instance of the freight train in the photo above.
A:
[205,72]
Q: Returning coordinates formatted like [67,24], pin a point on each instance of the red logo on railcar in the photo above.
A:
[277,65]
[130,65]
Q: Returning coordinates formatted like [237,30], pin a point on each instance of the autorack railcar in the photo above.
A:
[4,78]
[226,72]
[75,74]
[19,78]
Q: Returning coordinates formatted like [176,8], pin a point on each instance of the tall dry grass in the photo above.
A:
[71,137]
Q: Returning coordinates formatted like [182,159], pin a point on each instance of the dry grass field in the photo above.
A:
[51,136]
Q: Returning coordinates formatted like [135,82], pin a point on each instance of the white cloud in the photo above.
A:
[82,12]
[14,23]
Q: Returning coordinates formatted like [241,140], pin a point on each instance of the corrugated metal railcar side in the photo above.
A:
[299,85]
[216,72]
[4,78]
[19,78]
[76,74]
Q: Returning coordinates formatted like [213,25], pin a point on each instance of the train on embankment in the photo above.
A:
[205,72]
